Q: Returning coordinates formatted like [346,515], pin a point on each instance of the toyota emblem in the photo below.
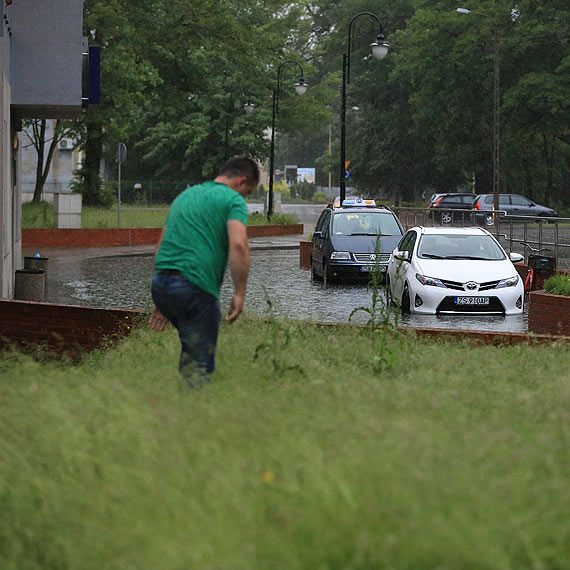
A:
[372,257]
[471,286]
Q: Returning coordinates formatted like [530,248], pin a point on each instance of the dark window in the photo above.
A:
[520,201]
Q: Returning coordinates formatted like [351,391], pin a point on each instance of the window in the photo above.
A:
[449,246]
[408,241]
[520,201]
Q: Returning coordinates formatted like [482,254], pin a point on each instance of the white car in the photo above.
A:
[454,270]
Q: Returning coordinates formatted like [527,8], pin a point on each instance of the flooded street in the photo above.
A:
[276,286]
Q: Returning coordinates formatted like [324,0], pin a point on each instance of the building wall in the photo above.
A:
[41,65]
[47,47]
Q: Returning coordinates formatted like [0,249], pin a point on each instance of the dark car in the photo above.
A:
[513,205]
[443,207]
[345,240]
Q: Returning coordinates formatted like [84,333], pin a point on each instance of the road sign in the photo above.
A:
[346,174]
[121,153]
[347,164]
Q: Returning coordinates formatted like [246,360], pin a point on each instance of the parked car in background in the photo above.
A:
[351,241]
[454,270]
[443,206]
[514,206]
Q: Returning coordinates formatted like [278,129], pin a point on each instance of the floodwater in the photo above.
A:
[277,286]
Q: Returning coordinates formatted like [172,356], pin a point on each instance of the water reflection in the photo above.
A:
[276,283]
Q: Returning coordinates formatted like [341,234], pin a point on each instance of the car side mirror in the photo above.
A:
[402,255]
[516,257]
[318,234]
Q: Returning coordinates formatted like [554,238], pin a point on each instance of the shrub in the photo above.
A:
[558,284]
[304,190]
[260,219]
[37,215]
[320,197]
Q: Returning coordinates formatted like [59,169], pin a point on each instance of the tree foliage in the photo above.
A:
[175,75]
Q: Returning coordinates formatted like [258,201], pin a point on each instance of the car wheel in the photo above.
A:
[446,218]
[406,300]
[313,272]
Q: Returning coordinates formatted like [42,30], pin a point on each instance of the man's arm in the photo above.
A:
[239,265]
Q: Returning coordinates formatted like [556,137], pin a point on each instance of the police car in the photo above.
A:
[354,239]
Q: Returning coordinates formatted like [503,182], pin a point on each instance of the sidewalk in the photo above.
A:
[70,254]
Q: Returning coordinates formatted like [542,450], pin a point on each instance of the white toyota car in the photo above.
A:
[444,270]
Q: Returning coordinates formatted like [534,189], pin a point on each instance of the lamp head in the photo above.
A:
[379,47]
[301,87]
[248,106]
[463,11]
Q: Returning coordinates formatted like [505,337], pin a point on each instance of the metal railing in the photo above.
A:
[550,235]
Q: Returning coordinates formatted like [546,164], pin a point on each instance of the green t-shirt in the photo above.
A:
[195,241]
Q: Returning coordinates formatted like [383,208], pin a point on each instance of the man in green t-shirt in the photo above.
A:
[206,225]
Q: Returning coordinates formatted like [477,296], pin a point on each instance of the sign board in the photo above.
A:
[121,153]
[306,175]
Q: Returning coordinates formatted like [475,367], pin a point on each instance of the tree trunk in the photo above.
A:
[40,142]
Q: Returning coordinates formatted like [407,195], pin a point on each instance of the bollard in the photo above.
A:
[30,285]
[37,262]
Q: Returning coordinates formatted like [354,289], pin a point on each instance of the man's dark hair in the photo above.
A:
[241,166]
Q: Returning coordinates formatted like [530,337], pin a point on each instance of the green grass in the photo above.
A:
[41,216]
[558,284]
[306,457]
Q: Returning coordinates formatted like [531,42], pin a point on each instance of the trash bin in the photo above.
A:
[30,285]
[38,262]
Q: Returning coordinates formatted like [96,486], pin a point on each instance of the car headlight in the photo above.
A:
[430,281]
[340,255]
[510,282]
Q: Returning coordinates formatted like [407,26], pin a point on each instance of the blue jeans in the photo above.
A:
[196,315]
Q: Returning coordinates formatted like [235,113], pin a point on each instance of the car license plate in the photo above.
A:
[471,300]
[372,268]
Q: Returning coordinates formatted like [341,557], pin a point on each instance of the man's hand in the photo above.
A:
[157,320]
[239,264]
[236,307]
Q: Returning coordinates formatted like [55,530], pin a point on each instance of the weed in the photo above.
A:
[382,318]
[279,345]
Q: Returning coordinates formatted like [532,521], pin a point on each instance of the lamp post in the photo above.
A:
[300,88]
[496,104]
[379,51]
[248,107]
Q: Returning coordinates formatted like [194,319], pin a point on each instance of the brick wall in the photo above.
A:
[549,314]
[66,329]
[305,248]
[91,237]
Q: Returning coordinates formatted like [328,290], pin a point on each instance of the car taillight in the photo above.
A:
[437,203]
[477,206]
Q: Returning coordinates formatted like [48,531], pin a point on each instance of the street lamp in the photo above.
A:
[496,104]
[300,88]
[379,51]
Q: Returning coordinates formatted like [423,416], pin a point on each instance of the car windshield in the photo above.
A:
[455,246]
[365,224]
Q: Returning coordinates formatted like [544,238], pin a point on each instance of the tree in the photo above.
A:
[36,131]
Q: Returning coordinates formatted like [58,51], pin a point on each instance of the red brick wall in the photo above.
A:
[91,237]
[305,248]
[275,230]
[66,329]
[549,314]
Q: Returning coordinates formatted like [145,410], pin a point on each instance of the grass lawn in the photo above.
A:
[332,449]
[41,216]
